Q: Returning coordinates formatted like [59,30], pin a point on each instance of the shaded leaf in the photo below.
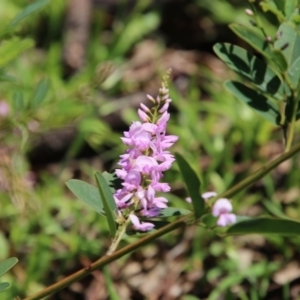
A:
[86,193]
[40,92]
[254,69]
[280,61]
[266,226]
[4,286]
[193,185]
[28,10]
[257,41]
[256,101]
[109,204]
[7,264]
[173,211]
[18,101]
[275,7]
[5,77]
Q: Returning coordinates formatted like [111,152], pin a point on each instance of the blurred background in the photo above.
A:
[75,74]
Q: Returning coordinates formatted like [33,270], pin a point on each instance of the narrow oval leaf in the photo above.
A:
[173,211]
[7,264]
[27,11]
[86,193]
[40,93]
[4,286]
[255,40]
[193,185]
[254,69]
[109,204]
[256,101]
[266,226]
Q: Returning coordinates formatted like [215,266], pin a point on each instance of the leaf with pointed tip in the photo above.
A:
[284,227]
[290,8]
[108,201]
[279,59]
[28,10]
[40,93]
[274,8]
[257,41]
[4,286]
[86,193]
[254,69]
[256,101]
[7,264]
[193,185]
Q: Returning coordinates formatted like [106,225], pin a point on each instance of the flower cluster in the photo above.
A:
[144,162]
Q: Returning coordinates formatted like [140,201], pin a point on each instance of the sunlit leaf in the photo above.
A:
[108,202]
[254,69]
[193,185]
[255,100]
[12,48]
[86,193]
[266,226]
[294,73]
[288,42]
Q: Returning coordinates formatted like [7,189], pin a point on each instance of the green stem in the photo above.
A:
[106,259]
[118,238]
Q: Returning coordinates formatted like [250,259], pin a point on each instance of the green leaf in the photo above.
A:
[27,11]
[86,193]
[12,48]
[193,185]
[254,69]
[40,93]
[256,101]
[279,60]
[4,286]
[5,77]
[272,7]
[288,42]
[173,211]
[18,100]
[7,264]
[289,7]
[266,226]
[257,41]
[109,204]
[294,73]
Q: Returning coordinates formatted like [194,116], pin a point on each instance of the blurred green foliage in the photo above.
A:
[54,234]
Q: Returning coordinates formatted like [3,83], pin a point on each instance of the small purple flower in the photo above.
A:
[222,210]
[141,226]
[144,162]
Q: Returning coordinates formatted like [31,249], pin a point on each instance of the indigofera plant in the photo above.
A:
[271,89]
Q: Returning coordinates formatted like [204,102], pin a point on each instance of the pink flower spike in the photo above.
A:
[145,108]
[151,98]
[143,116]
[164,108]
[146,226]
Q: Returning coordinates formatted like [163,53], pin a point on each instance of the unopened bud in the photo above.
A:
[249,12]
